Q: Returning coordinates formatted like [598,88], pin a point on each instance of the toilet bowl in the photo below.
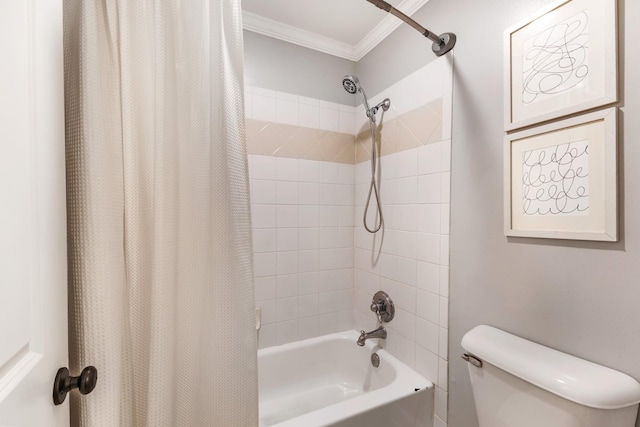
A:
[519,383]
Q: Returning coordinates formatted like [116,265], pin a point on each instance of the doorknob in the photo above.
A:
[64,383]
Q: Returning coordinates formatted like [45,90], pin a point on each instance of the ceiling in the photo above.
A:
[345,28]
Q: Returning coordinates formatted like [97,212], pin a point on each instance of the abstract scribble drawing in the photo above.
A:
[555,180]
[556,59]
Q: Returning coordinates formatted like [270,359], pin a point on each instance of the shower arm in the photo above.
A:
[441,44]
[392,10]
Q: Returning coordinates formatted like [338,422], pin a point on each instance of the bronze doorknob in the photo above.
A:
[64,383]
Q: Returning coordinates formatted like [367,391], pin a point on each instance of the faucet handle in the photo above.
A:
[383,306]
[378,309]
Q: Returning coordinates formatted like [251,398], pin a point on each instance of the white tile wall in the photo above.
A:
[412,265]
[410,261]
[290,109]
[323,282]
[302,216]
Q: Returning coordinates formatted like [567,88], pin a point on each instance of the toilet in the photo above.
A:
[518,383]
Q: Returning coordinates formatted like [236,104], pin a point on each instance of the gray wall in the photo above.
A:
[277,65]
[579,297]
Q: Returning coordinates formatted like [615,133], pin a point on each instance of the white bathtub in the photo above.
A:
[330,381]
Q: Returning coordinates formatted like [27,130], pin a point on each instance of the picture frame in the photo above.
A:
[560,179]
[562,61]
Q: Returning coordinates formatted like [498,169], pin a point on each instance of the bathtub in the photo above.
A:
[330,381]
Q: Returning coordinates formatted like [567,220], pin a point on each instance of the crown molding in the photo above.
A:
[269,27]
[278,30]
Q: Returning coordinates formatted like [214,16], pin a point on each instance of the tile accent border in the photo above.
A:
[297,142]
[412,129]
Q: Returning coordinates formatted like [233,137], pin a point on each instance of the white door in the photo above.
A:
[33,272]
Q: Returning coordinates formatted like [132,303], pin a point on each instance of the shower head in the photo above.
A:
[351,84]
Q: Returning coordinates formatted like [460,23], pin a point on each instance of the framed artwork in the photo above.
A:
[561,61]
[560,179]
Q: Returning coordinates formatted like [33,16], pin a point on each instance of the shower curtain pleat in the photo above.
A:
[160,283]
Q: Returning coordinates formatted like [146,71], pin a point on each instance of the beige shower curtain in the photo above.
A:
[160,287]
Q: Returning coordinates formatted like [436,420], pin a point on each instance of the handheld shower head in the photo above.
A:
[351,84]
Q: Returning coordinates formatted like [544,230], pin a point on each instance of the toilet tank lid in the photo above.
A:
[569,377]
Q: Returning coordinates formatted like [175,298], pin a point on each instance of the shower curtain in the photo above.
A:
[160,270]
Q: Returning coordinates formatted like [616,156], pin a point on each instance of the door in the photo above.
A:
[33,276]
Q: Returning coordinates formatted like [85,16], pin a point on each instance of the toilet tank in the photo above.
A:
[518,383]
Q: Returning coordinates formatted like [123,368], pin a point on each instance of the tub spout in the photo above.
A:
[381,332]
